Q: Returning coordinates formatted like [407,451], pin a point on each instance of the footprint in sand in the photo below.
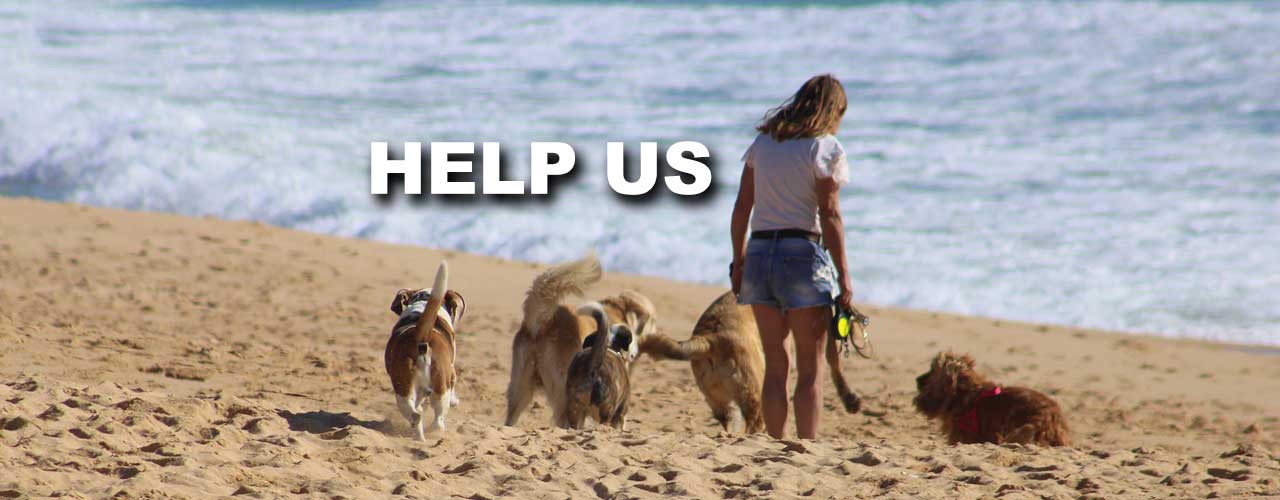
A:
[728,468]
[1230,474]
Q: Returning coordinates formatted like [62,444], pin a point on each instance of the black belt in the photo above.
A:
[786,233]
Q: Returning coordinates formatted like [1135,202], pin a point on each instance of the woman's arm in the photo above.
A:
[833,235]
[738,225]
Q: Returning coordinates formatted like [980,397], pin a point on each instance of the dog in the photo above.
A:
[421,352]
[727,359]
[975,410]
[598,383]
[551,334]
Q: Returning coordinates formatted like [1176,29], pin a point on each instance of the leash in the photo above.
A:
[852,329]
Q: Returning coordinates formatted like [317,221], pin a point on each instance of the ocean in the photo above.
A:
[1097,164]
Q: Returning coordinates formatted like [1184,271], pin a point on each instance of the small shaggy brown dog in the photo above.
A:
[598,383]
[975,410]
[728,363]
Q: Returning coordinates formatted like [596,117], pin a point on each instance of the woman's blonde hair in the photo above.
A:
[814,110]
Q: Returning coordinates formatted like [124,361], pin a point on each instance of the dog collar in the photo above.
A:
[968,421]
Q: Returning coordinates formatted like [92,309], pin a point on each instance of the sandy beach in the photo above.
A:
[158,356]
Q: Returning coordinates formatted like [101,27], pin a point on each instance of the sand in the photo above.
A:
[155,356]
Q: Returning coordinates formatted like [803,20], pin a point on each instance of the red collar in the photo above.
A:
[968,422]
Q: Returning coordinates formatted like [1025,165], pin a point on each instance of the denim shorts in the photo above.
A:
[787,273]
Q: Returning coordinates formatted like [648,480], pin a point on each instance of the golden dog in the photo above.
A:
[727,359]
[975,410]
[421,351]
[552,333]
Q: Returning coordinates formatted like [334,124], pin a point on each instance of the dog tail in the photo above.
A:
[601,344]
[852,402]
[661,346]
[598,349]
[438,290]
[553,285]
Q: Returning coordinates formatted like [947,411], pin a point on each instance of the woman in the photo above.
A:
[792,180]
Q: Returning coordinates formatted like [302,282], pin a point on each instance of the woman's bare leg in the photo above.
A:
[777,365]
[810,327]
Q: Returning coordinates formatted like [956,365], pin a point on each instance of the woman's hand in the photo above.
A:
[735,276]
[845,299]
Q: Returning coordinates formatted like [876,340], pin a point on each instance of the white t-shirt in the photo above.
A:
[786,178]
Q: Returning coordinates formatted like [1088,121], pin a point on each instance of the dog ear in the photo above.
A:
[400,300]
[622,338]
[631,302]
[645,327]
[589,341]
[940,365]
[638,302]
[950,364]
[455,304]
[953,363]
[960,368]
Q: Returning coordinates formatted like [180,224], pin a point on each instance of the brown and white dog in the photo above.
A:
[552,333]
[727,359]
[975,410]
[599,383]
[421,351]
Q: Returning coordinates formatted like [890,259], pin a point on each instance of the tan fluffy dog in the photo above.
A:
[975,410]
[598,383]
[552,333]
[727,359]
[421,351]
